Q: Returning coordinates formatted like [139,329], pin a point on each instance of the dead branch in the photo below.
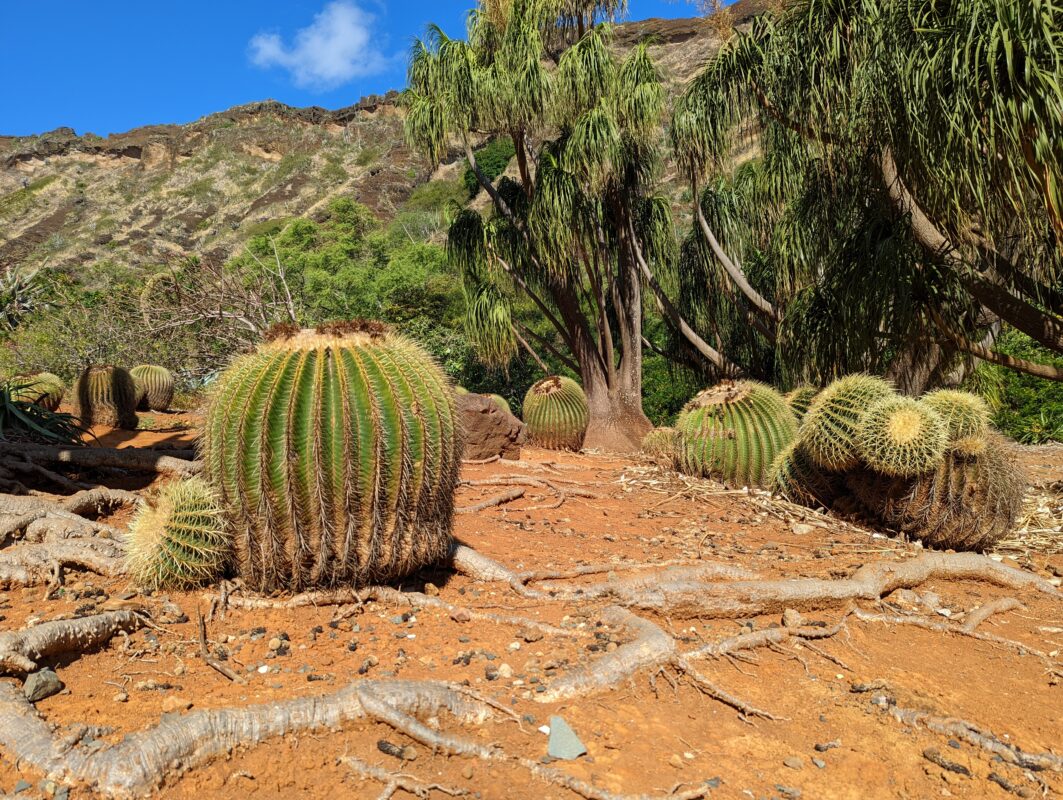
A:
[30,564]
[20,651]
[209,660]
[498,500]
[128,458]
[984,612]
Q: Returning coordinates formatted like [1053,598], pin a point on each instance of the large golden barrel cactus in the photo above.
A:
[733,431]
[969,502]
[335,454]
[901,436]
[155,387]
[800,399]
[556,413]
[797,478]
[42,388]
[106,395]
[829,429]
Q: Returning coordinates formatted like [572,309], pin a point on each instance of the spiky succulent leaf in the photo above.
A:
[556,413]
[106,395]
[335,454]
[179,540]
[901,436]
[733,431]
[155,387]
[967,503]
[829,429]
[966,415]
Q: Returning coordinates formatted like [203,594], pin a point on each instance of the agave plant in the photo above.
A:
[22,420]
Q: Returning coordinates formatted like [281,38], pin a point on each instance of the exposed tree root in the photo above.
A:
[687,599]
[20,651]
[141,761]
[401,721]
[392,596]
[973,735]
[394,781]
[133,459]
[632,586]
[961,630]
[571,488]
[652,647]
[46,519]
[30,564]
[498,500]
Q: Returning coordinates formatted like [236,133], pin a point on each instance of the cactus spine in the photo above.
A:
[335,454]
[902,437]
[966,418]
[733,431]
[556,413]
[800,399]
[966,503]
[106,395]
[829,429]
[154,387]
[501,402]
[179,540]
[43,389]
[795,477]
[660,443]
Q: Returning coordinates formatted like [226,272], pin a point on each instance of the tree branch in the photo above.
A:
[979,350]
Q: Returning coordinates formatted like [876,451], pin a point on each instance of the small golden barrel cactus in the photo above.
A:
[42,388]
[797,478]
[106,395]
[556,413]
[967,503]
[829,428]
[901,436]
[501,402]
[800,399]
[733,431]
[154,387]
[660,443]
[966,418]
[335,454]
[178,541]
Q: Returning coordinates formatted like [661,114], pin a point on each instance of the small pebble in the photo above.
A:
[121,697]
[825,746]
[174,703]
[275,643]
[819,762]
[676,761]
[466,771]
[793,762]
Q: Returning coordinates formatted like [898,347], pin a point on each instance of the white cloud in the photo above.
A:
[338,46]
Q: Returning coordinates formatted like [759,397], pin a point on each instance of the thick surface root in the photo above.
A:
[20,651]
[31,564]
[132,459]
[141,761]
[688,599]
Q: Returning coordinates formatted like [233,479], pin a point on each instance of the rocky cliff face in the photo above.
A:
[162,192]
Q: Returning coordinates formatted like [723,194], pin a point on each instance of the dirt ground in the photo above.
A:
[654,734]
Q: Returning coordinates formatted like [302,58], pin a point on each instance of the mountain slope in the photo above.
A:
[162,192]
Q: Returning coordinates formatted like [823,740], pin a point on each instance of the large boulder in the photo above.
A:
[489,430]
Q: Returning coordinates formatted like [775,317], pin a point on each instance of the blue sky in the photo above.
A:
[109,66]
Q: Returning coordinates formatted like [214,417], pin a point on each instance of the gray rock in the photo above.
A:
[820,763]
[563,745]
[41,684]
[22,786]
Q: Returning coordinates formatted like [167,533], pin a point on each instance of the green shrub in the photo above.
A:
[492,159]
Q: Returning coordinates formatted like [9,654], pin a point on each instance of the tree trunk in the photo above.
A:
[617,421]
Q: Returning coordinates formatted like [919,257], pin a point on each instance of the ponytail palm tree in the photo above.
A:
[907,201]
[576,230]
